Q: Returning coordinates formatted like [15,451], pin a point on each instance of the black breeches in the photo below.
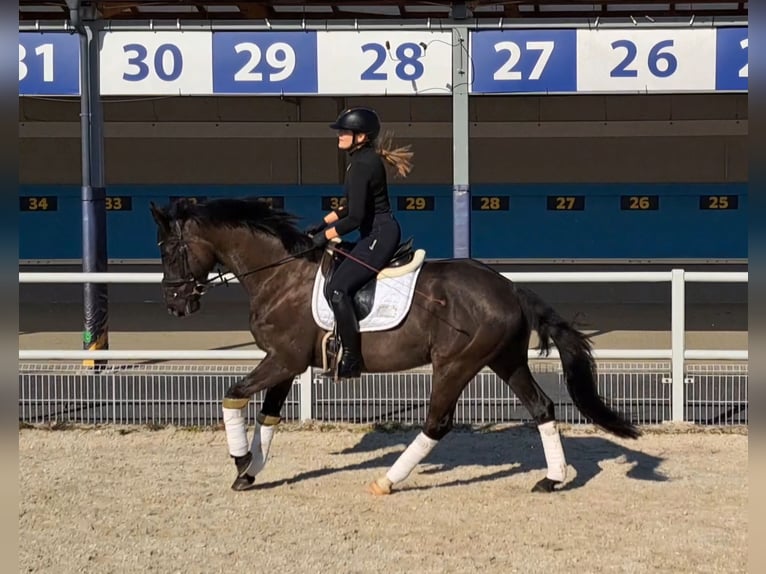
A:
[374,249]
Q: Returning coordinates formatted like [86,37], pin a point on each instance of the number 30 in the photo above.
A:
[139,61]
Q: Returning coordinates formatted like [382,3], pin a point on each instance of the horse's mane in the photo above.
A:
[249,212]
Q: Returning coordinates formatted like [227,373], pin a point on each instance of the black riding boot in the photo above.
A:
[350,364]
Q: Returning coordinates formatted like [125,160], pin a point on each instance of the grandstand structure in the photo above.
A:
[548,135]
[384,9]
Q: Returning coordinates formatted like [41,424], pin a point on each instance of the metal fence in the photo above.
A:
[190,395]
[659,385]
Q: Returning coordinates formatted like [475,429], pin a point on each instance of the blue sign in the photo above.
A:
[731,67]
[265,62]
[49,64]
[507,61]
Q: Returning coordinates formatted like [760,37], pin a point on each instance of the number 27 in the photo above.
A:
[506,71]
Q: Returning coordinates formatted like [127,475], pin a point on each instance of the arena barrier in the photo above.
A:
[667,388]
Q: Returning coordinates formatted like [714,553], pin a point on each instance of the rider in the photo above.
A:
[367,208]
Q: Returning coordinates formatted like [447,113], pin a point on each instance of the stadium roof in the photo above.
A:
[232,10]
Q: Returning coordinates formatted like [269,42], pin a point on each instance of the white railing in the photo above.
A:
[677,354]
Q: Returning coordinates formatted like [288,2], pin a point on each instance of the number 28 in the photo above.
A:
[408,67]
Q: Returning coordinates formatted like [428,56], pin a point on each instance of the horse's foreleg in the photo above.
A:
[265,424]
[250,461]
[540,406]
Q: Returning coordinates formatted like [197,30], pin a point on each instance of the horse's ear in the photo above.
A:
[160,217]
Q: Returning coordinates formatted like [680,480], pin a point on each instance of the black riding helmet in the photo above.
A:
[359,120]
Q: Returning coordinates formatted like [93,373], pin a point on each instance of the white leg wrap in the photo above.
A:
[409,459]
[236,434]
[554,453]
[260,447]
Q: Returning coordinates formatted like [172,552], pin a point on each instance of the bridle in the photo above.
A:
[201,287]
[187,277]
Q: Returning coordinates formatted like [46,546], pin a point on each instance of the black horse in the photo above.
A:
[465,316]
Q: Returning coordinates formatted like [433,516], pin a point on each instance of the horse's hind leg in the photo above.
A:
[519,378]
[449,380]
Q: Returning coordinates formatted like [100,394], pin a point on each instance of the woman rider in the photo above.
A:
[367,209]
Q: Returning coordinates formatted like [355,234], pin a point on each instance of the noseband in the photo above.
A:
[187,277]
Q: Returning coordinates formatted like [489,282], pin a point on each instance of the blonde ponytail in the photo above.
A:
[399,158]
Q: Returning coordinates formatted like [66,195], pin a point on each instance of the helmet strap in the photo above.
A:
[356,145]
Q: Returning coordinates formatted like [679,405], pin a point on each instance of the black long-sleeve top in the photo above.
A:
[366,192]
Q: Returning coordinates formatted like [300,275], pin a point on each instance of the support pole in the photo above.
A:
[678,342]
[461,196]
[93,190]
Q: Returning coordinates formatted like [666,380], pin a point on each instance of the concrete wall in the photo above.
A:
[572,154]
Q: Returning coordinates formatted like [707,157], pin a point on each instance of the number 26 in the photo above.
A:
[655,56]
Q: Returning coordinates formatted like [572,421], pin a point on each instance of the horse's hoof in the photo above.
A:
[545,485]
[379,489]
[244,482]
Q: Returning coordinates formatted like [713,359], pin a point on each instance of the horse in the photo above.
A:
[464,316]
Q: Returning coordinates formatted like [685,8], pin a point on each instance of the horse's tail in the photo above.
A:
[576,357]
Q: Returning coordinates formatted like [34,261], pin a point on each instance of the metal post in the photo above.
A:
[93,191]
[678,340]
[307,395]
[461,196]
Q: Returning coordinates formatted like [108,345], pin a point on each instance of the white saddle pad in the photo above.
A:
[393,298]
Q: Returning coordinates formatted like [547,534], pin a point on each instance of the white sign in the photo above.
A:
[384,62]
[642,60]
[144,63]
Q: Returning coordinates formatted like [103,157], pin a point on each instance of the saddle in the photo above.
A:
[365,297]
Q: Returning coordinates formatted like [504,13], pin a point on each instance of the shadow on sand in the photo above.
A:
[493,449]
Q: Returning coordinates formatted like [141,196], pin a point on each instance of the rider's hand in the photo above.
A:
[320,239]
[316,228]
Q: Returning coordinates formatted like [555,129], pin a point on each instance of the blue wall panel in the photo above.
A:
[57,234]
[677,228]
[523,228]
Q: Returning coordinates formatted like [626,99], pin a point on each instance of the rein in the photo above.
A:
[200,287]
[221,276]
